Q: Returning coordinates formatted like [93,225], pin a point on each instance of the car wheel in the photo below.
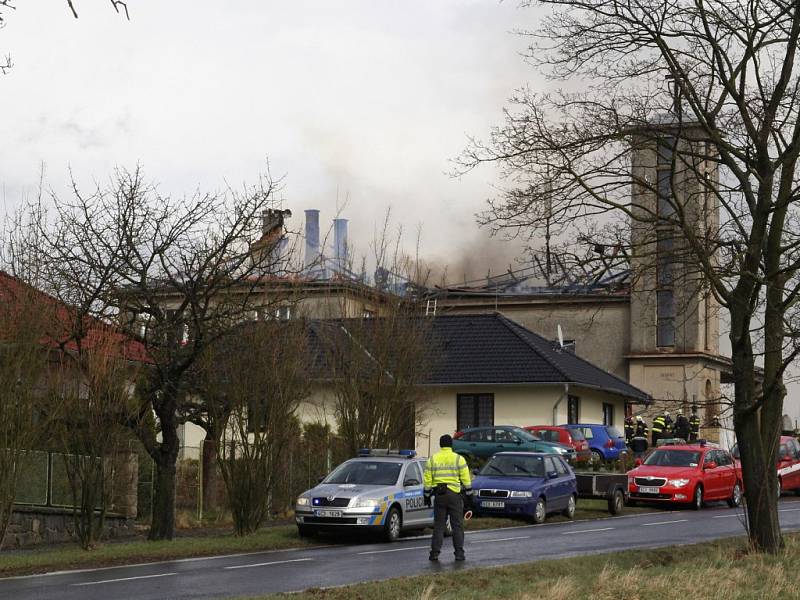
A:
[305,531]
[393,525]
[697,501]
[539,511]
[616,503]
[597,456]
[569,512]
[736,496]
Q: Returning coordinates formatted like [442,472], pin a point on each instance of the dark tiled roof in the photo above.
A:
[492,349]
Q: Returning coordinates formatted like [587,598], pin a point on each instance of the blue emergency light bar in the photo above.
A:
[386,452]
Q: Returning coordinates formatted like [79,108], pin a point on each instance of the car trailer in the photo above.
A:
[612,487]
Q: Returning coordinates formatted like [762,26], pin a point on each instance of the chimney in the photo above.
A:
[312,239]
[272,221]
[340,244]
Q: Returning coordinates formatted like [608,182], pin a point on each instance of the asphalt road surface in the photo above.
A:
[294,570]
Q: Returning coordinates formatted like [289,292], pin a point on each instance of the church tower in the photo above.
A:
[674,318]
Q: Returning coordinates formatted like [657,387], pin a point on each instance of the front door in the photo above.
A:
[711,477]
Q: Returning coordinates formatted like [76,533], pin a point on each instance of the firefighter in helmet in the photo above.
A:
[658,428]
[681,429]
[694,425]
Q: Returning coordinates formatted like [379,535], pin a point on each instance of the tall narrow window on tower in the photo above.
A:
[665,257]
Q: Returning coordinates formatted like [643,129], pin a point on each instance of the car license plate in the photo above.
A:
[648,490]
[493,504]
[328,513]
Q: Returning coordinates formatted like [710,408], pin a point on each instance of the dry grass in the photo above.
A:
[723,570]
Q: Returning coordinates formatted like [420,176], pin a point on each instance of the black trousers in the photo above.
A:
[446,505]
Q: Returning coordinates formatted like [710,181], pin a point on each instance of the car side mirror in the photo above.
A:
[710,465]
[552,474]
[321,479]
[474,471]
[410,481]
[638,462]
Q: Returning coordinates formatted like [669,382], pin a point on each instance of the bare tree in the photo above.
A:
[378,361]
[377,368]
[258,374]
[175,273]
[710,91]
[24,358]
[94,388]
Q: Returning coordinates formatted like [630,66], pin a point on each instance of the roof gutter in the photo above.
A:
[560,399]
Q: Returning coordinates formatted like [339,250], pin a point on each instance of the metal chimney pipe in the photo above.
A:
[340,243]
[312,238]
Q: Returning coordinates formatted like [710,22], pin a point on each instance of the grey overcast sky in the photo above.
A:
[357,100]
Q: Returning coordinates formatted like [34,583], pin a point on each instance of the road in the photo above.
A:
[294,570]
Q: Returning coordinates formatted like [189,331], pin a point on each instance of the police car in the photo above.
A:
[380,491]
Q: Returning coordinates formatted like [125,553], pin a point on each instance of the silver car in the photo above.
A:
[378,492]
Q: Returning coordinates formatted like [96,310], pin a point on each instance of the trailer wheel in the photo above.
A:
[617,502]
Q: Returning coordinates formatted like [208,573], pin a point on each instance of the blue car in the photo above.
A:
[525,484]
[605,442]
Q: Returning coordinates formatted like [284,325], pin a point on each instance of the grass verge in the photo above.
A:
[68,556]
[213,542]
[721,570]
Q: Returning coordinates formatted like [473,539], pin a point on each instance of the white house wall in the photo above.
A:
[513,405]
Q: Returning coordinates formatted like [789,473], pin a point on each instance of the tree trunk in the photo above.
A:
[163,525]
[210,474]
[758,472]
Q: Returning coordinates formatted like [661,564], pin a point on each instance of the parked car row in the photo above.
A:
[577,442]
[527,476]
[483,442]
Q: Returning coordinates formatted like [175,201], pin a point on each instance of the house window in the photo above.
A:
[665,318]
[283,313]
[665,256]
[474,410]
[573,409]
[608,414]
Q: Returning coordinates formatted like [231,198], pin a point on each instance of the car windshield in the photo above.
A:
[673,458]
[525,436]
[365,472]
[514,466]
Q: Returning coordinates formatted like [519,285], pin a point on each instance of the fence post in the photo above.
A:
[49,498]
[200,482]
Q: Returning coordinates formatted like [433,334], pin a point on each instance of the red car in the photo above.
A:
[788,464]
[686,474]
[564,435]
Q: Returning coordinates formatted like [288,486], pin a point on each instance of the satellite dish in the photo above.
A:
[560,337]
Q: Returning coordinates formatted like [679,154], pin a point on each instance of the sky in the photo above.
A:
[359,105]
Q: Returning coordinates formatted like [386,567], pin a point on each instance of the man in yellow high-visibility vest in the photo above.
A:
[446,476]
